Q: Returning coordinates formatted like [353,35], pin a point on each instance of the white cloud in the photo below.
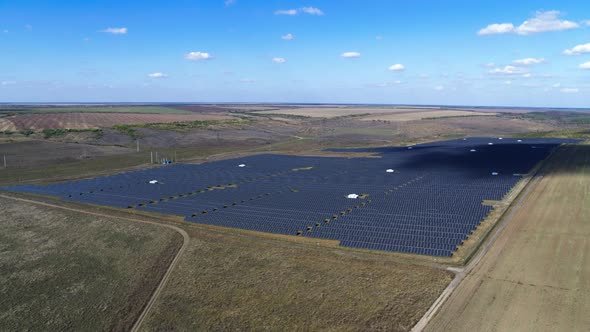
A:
[197,56]
[397,67]
[556,85]
[577,50]
[247,80]
[586,23]
[508,70]
[4,83]
[290,12]
[288,36]
[385,84]
[379,37]
[305,10]
[529,61]
[570,90]
[585,65]
[496,28]
[423,76]
[541,22]
[279,60]
[489,64]
[115,31]
[350,55]
[527,75]
[29,27]
[439,88]
[508,82]
[229,2]
[312,11]
[157,75]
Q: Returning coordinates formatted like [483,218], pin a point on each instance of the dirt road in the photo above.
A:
[536,275]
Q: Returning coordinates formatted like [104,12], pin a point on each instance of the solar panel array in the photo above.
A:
[429,205]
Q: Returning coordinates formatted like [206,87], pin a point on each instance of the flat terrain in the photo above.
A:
[92,109]
[94,120]
[382,113]
[536,276]
[234,281]
[62,270]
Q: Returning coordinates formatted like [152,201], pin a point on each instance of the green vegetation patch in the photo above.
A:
[183,126]
[565,117]
[127,130]
[574,134]
[48,133]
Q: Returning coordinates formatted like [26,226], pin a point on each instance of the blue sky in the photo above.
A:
[521,53]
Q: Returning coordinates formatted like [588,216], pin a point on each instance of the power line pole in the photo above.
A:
[4,161]
[137,144]
[152,156]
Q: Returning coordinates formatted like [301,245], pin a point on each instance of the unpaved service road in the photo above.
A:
[536,276]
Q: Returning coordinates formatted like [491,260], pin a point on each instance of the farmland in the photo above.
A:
[63,270]
[95,120]
[535,276]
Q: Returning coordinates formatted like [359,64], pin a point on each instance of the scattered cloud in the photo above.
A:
[585,65]
[305,10]
[197,56]
[312,11]
[397,67]
[157,75]
[290,12]
[529,61]
[439,88]
[508,82]
[556,85]
[247,80]
[489,64]
[496,29]
[385,84]
[577,50]
[508,70]
[229,2]
[379,37]
[423,76]
[543,21]
[570,90]
[288,36]
[28,27]
[87,40]
[5,83]
[279,60]
[115,31]
[350,55]
[586,23]
[527,75]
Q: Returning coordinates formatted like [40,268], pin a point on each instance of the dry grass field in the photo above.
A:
[238,282]
[411,116]
[63,270]
[536,276]
[95,120]
[374,113]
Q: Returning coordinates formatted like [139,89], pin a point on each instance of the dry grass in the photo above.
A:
[331,112]
[233,281]
[63,270]
[412,116]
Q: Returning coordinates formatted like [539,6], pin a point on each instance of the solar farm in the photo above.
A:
[423,199]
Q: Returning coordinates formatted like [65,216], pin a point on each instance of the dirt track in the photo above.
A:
[166,276]
[536,275]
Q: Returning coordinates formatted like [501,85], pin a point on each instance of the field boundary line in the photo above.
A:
[158,290]
[460,274]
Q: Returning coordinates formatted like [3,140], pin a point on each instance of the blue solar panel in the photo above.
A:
[429,205]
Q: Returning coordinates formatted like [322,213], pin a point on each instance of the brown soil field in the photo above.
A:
[410,116]
[234,281]
[94,120]
[6,125]
[536,275]
[374,113]
[69,271]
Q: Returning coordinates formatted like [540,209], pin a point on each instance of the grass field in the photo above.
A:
[536,276]
[241,282]
[413,116]
[372,113]
[62,270]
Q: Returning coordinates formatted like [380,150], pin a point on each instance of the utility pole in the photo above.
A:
[4,161]
[152,156]
[157,161]
[137,144]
